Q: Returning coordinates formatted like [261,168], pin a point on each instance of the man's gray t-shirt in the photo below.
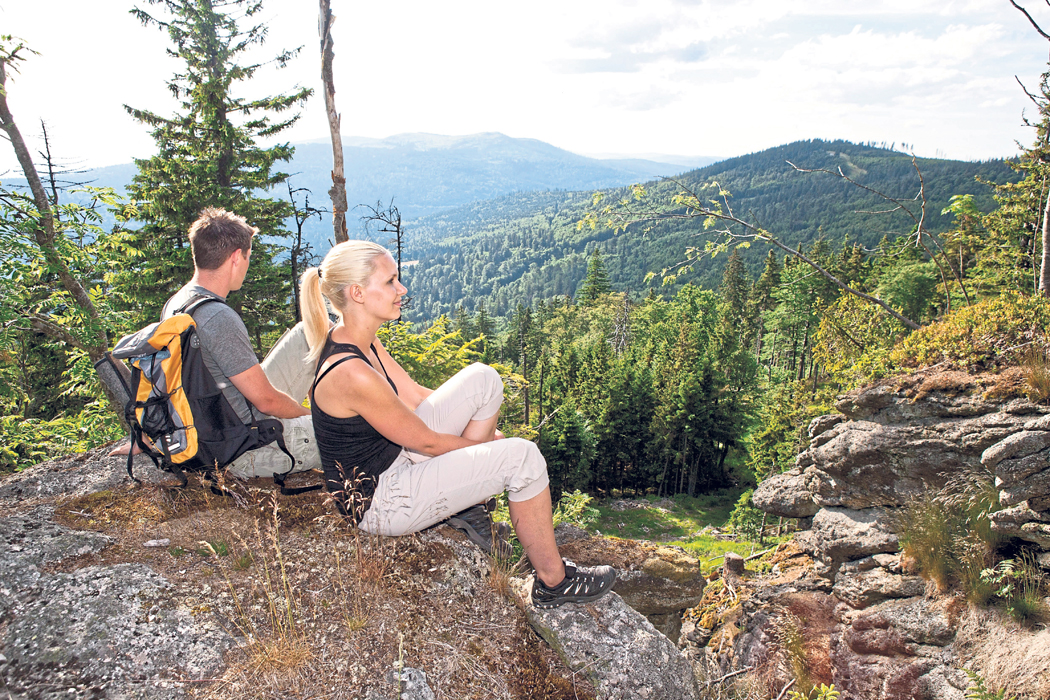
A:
[225,346]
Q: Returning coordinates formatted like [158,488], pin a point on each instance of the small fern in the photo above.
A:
[979,691]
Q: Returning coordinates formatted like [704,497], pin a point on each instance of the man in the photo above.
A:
[221,244]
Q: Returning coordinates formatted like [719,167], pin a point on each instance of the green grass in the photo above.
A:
[689,515]
[214,547]
[681,525]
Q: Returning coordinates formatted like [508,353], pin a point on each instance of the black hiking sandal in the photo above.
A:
[582,584]
[479,527]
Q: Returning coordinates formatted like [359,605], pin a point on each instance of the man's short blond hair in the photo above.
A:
[216,234]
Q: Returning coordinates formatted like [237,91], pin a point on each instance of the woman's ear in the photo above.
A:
[354,292]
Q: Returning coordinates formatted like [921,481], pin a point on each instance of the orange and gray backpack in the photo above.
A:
[172,399]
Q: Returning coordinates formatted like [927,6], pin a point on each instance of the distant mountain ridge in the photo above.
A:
[425,174]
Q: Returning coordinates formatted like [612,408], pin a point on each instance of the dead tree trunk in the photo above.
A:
[1044,270]
[338,191]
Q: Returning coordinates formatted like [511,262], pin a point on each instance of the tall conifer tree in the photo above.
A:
[208,155]
[596,284]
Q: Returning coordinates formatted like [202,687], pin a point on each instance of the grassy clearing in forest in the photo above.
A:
[667,518]
[678,520]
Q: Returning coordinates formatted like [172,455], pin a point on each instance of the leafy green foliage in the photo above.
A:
[1020,585]
[49,393]
[430,357]
[574,508]
[821,692]
[746,520]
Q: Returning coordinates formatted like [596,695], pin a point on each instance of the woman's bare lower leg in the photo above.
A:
[534,524]
[481,430]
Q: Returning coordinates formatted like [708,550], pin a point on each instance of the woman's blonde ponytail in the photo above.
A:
[314,312]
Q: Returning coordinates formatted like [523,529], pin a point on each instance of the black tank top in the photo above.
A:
[353,453]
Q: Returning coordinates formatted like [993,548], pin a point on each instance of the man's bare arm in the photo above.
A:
[258,389]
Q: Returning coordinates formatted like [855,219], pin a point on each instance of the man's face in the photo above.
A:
[240,267]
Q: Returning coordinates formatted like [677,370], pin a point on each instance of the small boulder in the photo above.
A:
[821,424]
[918,620]
[1013,471]
[1015,446]
[1035,486]
[869,587]
[844,534]
[654,580]
[623,655]
[785,495]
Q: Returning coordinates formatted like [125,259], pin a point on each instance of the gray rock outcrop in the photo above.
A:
[98,631]
[892,448]
[624,656]
[1021,463]
[883,637]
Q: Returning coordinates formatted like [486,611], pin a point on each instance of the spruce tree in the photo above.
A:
[208,155]
[596,284]
[463,321]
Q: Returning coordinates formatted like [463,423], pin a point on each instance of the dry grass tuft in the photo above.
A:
[1005,653]
[1035,366]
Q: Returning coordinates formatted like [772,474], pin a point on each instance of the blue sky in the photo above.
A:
[611,77]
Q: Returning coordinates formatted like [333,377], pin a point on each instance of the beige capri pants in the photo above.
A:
[418,491]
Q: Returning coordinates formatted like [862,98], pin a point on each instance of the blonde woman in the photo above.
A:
[400,457]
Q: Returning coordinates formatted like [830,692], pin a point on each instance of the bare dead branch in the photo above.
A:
[786,688]
[1034,24]
[1033,98]
[726,677]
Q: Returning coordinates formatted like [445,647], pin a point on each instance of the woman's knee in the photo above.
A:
[486,373]
[530,470]
[527,456]
[486,385]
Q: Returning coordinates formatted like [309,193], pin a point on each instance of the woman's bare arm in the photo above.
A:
[407,388]
[354,388]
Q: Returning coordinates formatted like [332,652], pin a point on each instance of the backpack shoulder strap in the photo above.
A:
[195,302]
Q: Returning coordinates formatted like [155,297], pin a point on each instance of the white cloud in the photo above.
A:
[696,77]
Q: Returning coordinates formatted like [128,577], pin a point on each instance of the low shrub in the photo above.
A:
[988,334]
[746,520]
[1019,584]
[979,690]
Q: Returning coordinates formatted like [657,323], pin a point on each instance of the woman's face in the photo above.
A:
[383,292]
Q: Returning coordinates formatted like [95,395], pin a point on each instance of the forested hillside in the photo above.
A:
[524,247]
